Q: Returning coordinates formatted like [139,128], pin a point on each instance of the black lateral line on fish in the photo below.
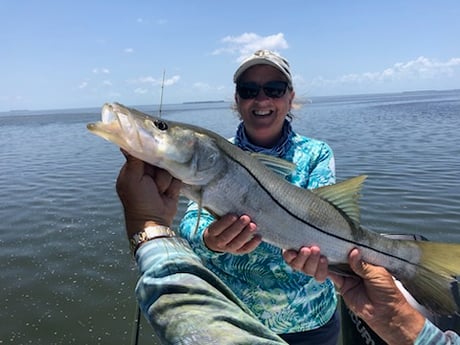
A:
[317,228]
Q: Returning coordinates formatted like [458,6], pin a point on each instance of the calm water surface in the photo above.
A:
[67,276]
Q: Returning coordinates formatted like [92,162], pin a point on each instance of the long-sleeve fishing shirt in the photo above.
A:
[284,300]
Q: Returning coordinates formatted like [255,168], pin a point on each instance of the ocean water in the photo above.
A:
[67,276]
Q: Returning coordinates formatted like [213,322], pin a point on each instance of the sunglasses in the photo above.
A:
[272,89]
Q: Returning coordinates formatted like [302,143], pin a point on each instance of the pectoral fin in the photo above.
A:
[278,165]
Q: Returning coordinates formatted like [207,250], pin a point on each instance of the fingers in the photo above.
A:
[174,188]
[132,169]
[357,265]
[135,169]
[166,184]
[309,261]
[232,234]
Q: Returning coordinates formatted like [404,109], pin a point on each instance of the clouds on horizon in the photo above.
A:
[419,69]
[421,72]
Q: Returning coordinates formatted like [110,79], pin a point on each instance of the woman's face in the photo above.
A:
[263,116]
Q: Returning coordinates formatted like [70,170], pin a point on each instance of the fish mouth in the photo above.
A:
[119,126]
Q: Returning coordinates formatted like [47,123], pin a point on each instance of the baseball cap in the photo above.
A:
[264,57]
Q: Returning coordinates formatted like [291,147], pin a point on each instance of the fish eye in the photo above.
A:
[161,125]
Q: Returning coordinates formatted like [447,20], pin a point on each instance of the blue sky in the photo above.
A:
[72,54]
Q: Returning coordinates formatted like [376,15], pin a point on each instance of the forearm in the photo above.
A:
[186,303]
[399,325]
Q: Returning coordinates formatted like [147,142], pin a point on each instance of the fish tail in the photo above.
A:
[436,283]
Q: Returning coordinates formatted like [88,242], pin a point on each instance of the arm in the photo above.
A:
[374,297]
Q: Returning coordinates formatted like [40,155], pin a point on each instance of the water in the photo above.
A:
[67,274]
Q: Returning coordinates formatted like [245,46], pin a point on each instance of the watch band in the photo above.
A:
[148,234]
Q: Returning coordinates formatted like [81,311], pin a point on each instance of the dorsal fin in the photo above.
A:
[277,165]
[344,195]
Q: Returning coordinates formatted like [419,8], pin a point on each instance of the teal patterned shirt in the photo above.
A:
[284,300]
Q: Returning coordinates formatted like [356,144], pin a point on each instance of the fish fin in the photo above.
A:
[344,195]
[200,207]
[278,165]
[436,282]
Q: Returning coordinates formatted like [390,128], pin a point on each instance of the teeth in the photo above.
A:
[262,113]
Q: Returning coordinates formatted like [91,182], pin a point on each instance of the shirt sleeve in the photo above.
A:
[431,335]
[323,170]
[185,303]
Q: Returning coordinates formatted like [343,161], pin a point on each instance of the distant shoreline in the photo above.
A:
[26,111]
[203,102]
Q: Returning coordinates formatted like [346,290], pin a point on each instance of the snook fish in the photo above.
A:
[224,179]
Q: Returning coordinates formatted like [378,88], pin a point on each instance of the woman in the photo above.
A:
[295,306]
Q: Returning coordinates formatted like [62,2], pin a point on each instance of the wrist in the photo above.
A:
[135,226]
[148,233]
[399,325]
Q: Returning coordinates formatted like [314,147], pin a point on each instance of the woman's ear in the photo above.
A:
[291,99]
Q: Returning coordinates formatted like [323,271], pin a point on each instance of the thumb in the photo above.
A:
[357,264]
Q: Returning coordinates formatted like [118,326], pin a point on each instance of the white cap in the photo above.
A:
[265,57]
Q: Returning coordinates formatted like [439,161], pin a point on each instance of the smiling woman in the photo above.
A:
[291,304]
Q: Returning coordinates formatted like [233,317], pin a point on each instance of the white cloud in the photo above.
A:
[140,91]
[101,71]
[83,85]
[107,83]
[171,81]
[248,42]
[144,80]
[154,81]
[418,69]
[128,50]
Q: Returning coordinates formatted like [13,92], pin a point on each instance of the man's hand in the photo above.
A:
[149,195]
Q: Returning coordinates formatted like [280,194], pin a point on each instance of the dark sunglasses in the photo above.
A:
[273,89]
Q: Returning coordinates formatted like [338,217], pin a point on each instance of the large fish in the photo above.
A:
[224,179]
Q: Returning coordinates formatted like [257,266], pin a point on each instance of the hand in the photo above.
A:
[149,195]
[232,234]
[374,296]
[371,292]
[309,261]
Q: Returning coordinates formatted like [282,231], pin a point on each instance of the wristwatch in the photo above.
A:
[148,234]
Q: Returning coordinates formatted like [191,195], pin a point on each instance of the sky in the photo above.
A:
[74,54]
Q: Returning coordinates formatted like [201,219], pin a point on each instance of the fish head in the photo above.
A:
[188,155]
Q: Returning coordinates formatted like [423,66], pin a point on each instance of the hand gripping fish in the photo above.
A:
[223,179]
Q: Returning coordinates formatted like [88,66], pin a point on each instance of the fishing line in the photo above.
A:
[161,95]
[136,325]
[137,316]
